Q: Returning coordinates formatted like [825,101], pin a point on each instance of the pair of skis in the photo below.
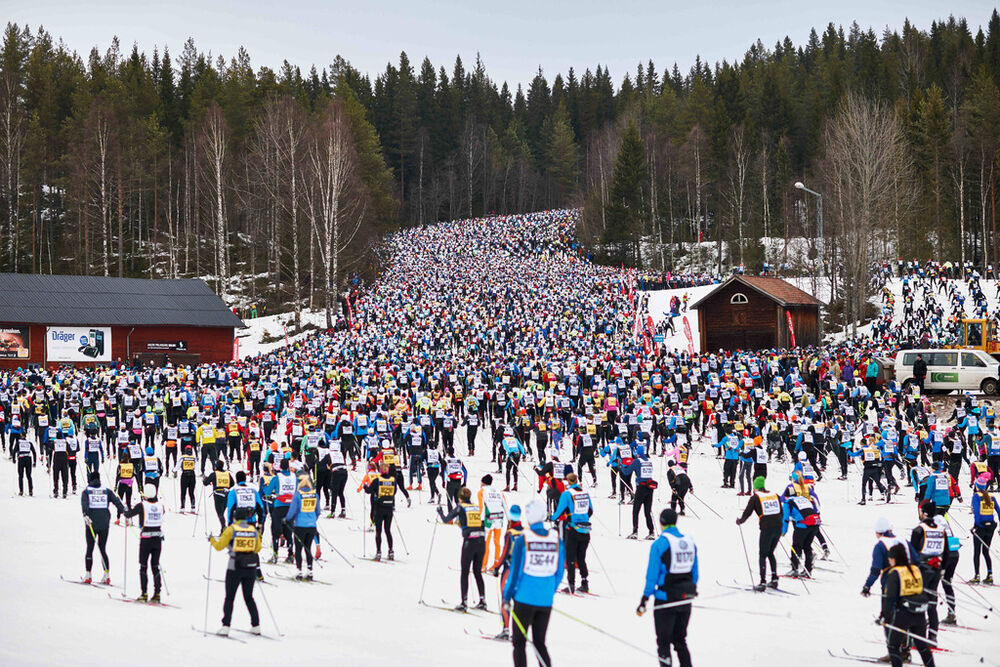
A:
[736,585]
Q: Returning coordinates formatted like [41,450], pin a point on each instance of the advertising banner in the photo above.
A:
[167,346]
[15,342]
[78,344]
[791,327]
[687,333]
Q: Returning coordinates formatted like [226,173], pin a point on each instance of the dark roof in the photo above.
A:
[100,301]
[777,289]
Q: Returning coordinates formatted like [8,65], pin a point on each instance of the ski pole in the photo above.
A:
[197,510]
[428,565]
[400,533]
[745,553]
[743,611]
[664,661]
[270,613]
[970,604]
[710,508]
[125,559]
[604,569]
[335,549]
[832,544]
[681,603]
[208,583]
[912,635]
[789,555]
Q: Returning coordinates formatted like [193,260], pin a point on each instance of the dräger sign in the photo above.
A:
[78,344]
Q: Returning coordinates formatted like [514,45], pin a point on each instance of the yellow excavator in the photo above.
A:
[980,334]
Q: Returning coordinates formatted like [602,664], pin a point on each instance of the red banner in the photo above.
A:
[687,332]
[236,349]
[284,330]
[791,327]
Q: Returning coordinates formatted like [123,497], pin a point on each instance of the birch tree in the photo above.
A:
[215,147]
[869,171]
[13,124]
[335,202]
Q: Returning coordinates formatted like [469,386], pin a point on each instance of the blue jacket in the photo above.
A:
[231,502]
[525,588]
[977,511]
[579,521]
[636,467]
[297,517]
[880,558]
[656,569]
[940,497]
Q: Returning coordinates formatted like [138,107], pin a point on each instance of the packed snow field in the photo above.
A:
[369,614]
[476,300]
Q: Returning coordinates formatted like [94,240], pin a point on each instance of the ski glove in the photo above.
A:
[641,609]
[409,503]
[87,520]
[866,591]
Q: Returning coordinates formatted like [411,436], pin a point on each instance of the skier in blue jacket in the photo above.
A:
[536,569]
[672,580]
[302,514]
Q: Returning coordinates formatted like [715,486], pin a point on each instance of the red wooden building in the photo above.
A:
[88,320]
[754,313]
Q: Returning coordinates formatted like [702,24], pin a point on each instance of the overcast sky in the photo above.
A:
[514,37]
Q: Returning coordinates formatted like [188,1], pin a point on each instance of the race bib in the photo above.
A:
[541,558]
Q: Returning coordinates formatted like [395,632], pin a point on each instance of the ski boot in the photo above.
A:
[155,599]
[106,580]
[482,605]
[760,588]
[223,631]
[989,579]
[255,630]
[299,576]
[774,581]
[309,575]
[651,537]
[142,598]
[974,580]
[377,556]
[826,553]
[633,536]
[863,502]
[584,587]
[343,514]
[504,635]
[86,578]
[390,555]
[289,559]
[949,619]
[794,573]
[461,607]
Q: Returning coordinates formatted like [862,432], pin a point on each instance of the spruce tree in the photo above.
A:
[625,209]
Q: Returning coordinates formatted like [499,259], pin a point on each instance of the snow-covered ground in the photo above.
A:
[370,615]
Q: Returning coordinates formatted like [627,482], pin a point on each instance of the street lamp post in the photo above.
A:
[819,232]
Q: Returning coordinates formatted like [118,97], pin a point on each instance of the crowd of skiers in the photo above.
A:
[501,334]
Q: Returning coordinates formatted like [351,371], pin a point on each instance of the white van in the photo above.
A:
[963,370]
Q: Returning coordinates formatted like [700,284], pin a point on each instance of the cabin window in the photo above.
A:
[739,297]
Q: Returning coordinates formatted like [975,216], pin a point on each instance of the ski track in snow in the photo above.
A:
[370,616]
